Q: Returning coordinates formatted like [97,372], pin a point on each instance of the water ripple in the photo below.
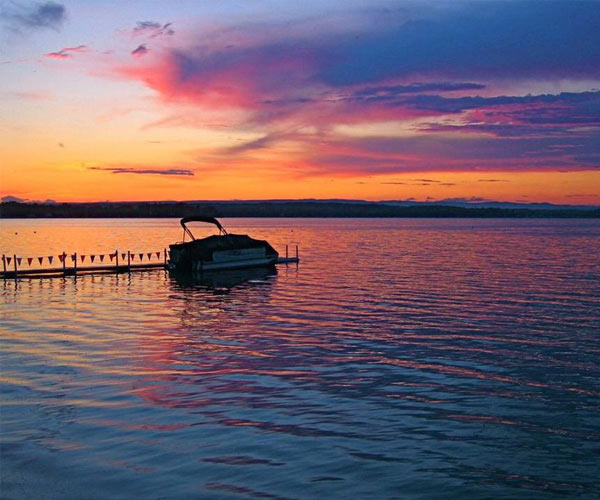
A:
[401,359]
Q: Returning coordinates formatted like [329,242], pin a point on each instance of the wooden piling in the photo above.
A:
[286,251]
[15,265]
[4,265]
[117,260]
[128,261]
[296,252]
[64,263]
[75,263]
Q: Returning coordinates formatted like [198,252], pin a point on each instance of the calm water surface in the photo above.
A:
[400,359]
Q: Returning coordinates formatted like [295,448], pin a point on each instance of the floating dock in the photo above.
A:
[13,266]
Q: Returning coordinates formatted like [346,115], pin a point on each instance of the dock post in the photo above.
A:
[4,265]
[117,260]
[165,254]
[286,251]
[15,264]
[75,263]
[128,260]
[296,252]
[64,263]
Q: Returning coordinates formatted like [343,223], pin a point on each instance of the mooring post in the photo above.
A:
[75,263]
[286,251]
[296,252]
[117,260]
[128,260]
[4,265]
[64,263]
[15,264]
[165,254]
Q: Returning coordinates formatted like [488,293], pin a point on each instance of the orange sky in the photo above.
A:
[182,108]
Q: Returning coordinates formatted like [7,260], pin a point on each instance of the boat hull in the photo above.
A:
[241,263]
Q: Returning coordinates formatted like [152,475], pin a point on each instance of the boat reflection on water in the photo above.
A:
[223,281]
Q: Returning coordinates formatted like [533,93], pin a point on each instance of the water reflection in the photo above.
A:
[223,281]
[398,360]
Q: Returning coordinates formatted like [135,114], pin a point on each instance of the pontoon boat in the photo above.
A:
[219,251]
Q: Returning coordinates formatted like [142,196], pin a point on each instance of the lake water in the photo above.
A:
[401,359]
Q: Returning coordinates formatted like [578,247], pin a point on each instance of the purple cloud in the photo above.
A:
[444,66]
[153,29]
[587,104]
[140,51]
[391,92]
[38,15]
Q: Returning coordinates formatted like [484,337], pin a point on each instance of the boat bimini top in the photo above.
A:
[197,218]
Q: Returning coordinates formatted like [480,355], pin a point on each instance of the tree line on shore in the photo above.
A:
[274,209]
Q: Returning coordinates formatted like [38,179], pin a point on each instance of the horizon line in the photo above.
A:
[468,201]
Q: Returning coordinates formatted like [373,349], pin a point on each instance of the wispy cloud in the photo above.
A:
[146,171]
[27,96]
[471,199]
[68,52]
[391,92]
[153,29]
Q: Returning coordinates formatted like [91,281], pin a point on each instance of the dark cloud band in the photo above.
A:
[146,171]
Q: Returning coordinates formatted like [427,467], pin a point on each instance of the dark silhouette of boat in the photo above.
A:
[220,251]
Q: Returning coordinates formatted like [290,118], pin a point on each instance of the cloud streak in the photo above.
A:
[146,171]
[152,29]
[68,52]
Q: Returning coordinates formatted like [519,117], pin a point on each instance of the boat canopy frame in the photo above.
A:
[200,218]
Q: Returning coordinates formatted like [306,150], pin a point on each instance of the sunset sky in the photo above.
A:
[377,100]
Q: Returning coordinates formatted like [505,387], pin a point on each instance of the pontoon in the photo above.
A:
[219,251]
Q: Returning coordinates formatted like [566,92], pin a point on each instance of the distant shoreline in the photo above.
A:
[280,209]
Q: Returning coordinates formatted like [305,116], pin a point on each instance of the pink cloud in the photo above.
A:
[57,55]
[282,84]
[68,52]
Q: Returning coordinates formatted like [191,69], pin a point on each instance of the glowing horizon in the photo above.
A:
[396,101]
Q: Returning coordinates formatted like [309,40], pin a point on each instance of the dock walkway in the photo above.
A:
[13,266]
